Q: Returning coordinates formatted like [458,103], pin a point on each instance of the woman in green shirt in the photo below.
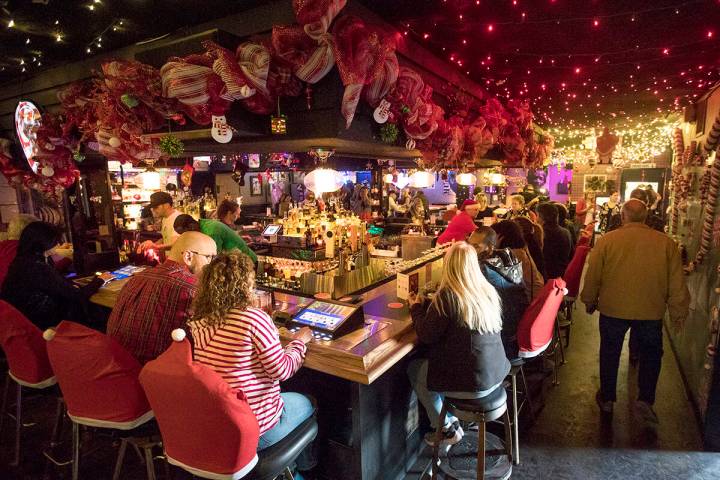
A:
[225,237]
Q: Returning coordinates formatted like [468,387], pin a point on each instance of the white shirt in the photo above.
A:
[169,234]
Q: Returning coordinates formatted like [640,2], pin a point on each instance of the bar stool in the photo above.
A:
[213,433]
[536,333]
[99,382]
[480,411]
[28,365]
[572,276]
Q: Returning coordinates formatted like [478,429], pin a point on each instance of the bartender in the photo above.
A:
[161,205]
[462,225]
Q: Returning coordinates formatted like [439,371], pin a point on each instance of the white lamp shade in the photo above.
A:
[388,178]
[466,179]
[422,179]
[497,178]
[150,180]
[323,180]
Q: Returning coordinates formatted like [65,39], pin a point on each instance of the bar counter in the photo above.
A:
[361,356]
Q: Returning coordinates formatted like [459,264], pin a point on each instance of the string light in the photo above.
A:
[11,23]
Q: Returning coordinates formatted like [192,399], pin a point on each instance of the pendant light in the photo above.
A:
[150,177]
[322,179]
[467,179]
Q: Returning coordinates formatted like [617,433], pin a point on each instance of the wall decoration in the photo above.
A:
[253,160]
[255,185]
[594,183]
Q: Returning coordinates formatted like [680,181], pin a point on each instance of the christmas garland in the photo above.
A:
[112,112]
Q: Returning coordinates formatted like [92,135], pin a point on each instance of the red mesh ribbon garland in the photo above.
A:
[12,174]
[79,102]
[254,60]
[186,82]
[317,14]
[422,115]
[225,65]
[478,140]
[384,78]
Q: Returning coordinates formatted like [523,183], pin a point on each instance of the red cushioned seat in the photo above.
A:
[537,326]
[25,349]
[98,378]
[211,432]
[573,272]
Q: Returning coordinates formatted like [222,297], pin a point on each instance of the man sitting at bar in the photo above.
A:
[156,301]
[225,238]
[504,272]
[462,225]
[161,205]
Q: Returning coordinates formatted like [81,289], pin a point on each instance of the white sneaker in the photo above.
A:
[451,435]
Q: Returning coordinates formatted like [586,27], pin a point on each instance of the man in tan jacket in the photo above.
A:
[634,275]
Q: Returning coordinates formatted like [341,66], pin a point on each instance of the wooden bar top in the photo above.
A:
[352,357]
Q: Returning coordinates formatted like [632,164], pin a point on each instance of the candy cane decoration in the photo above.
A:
[708,221]
[713,136]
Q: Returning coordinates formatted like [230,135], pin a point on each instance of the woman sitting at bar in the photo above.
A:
[461,326]
[35,287]
[485,210]
[242,344]
[510,236]
[228,212]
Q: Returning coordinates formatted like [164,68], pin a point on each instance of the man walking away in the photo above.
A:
[634,275]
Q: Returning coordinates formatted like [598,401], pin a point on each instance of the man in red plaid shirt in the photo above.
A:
[158,300]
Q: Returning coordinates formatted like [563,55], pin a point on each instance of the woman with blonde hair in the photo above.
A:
[461,326]
[484,205]
[242,344]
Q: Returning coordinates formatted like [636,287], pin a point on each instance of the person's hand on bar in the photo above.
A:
[304,335]
[414,298]
[145,245]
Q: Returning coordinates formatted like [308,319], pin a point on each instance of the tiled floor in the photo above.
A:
[568,440]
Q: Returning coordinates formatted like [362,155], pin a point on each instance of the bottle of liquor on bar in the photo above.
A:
[308,238]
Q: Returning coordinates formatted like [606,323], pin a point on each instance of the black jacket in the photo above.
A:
[460,360]
[504,272]
[43,295]
[557,250]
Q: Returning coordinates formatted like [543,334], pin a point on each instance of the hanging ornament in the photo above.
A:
[171,146]
[308,96]
[48,171]
[78,157]
[389,133]
[410,144]
[239,171]
[382,112]
[221,131]
[186,174]
[114,142]
[129,100]
[278,123]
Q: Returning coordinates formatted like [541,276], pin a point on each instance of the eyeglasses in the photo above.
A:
[209,257]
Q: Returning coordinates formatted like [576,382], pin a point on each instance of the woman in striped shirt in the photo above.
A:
[242,344]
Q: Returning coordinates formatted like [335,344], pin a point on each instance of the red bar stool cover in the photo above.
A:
[537,326]
[98,378]
[207,429]
[572,277]
[25,349]
[28,364]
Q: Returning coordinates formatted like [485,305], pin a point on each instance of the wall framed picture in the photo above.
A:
[594,183]
[253,160]
[255,186]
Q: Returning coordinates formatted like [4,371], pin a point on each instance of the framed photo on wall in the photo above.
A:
[254,160]
[255,186]
[594,183]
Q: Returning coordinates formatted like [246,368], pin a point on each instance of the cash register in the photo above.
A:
[271,232]
[328,320]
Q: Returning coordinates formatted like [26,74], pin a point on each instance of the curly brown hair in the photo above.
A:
[226,283]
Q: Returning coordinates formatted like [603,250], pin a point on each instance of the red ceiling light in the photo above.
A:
[709,34]
[666,51]
[577,70]
[490,28]
[426,36]
[596,23]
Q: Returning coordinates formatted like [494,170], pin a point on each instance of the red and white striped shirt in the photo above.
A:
[246,351]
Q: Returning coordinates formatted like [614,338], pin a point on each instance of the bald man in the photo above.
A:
[157,300]
[634,275]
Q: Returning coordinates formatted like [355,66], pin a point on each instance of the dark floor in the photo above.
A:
[567,441]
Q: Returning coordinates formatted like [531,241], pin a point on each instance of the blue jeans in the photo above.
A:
[433,401]
[649,348]
[298,408]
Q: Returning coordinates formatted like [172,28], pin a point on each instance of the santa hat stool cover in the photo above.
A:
[98,378]
[207,428]
[574,270]
[25,349]
[537,326]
